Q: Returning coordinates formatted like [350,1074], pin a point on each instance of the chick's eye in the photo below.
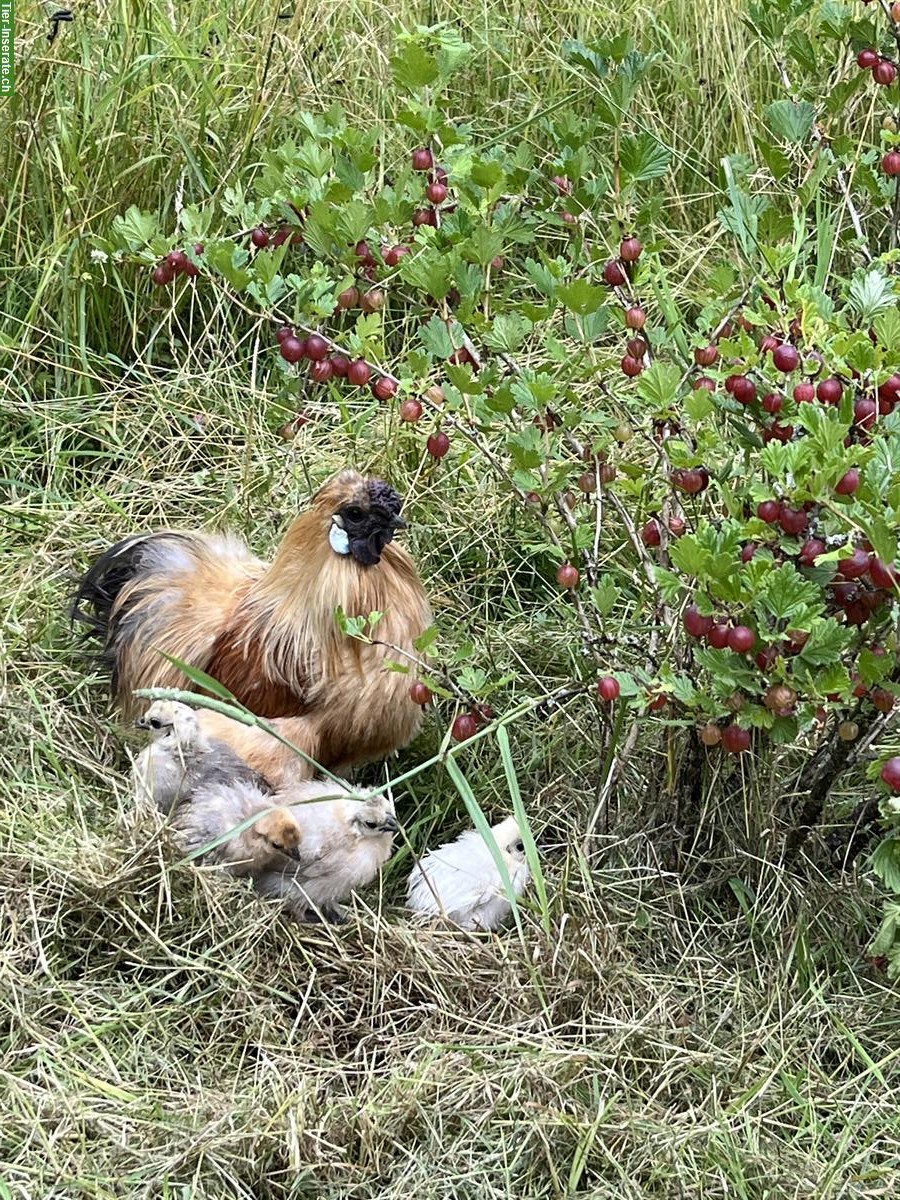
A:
[155,723]
[354,512]
[371,824]
[519,846]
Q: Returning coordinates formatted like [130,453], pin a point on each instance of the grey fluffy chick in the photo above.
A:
[181,757]
[460,881]
[273,840]
[345,844]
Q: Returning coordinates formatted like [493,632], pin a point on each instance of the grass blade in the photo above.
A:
[531,851]
[481,824]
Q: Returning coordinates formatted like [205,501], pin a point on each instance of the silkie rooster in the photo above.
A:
[267,631]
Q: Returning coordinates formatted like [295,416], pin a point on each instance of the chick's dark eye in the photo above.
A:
[519,846]
[155,723]
[354,512]
[371,824]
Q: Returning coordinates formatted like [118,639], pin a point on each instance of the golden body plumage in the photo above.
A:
[267,631]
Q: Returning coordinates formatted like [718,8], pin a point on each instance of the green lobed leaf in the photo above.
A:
[487,174]
[887,330]
[427,639]
[643,157]
[430,271]
[685,690]
[690,557]
[546,276]
[658,386]
[441,339]
[414,67]
[699,405]
[135,229]
[786,595]
[884,465]
[870,294]
[791,120]
[827,642]
[882,535]
[604,596]
[728,670]
[526,448]
[783,731]
[587,328]
[887,932]
[832,678]
[230,262]
[741,217]
[669,584]
[583,56]
[885,863]
[873,667]
[801,50]
[507,333]
[482,245]
[582,297]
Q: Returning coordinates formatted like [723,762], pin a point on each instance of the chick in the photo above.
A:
[181,757]
[460,880]
[345,844]
[214,808]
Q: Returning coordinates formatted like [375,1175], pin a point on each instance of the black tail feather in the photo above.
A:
[97,592]
[98,589]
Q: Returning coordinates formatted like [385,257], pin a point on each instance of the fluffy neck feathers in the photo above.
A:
[294,601]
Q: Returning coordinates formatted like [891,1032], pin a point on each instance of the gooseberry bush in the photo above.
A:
[739,438]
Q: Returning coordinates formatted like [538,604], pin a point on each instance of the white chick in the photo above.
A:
[181,757]
[345,844]
[460,880]
[213,809]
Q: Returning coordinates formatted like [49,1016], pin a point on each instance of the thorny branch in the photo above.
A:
[822,771]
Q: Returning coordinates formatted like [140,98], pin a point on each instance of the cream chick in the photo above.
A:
[460,881]
[273,839]
[181,757]
[346,842]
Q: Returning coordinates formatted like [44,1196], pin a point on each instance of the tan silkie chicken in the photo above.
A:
[210,812]
[345,843]
[180,757]
[267,631]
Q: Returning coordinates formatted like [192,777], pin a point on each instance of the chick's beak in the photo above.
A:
[294,853]
[398,523]
[389,824]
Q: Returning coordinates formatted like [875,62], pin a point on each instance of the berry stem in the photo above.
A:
[432,669]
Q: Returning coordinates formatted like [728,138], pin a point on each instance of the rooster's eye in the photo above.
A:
[354,512]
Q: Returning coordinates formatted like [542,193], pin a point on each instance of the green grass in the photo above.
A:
[685,1019]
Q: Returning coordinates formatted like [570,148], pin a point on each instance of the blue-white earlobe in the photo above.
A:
[338,540]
